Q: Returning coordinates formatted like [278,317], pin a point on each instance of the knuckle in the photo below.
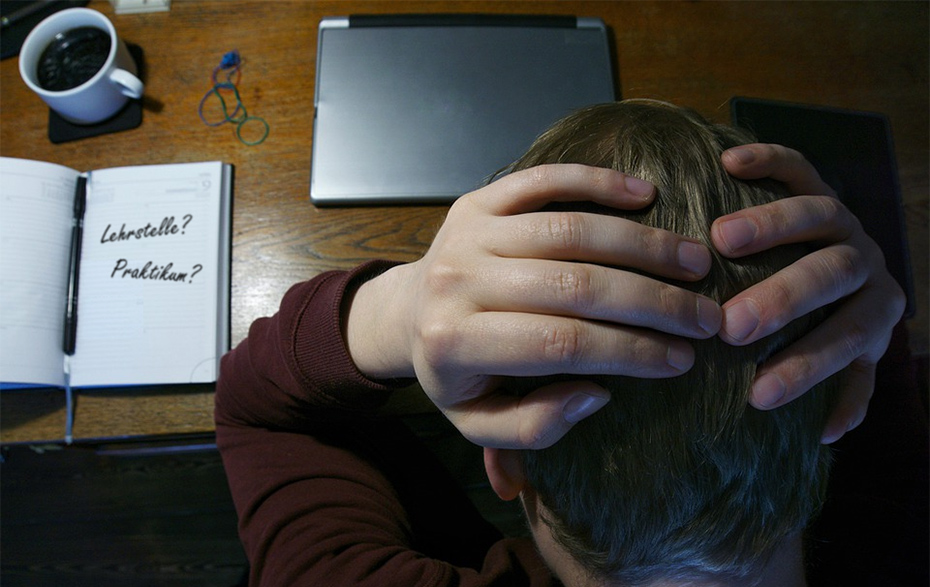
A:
[897,300]
[777,221]
[657,245]
[563,344]
[830,209]
[641,353]
[645,357]
[775,154]
[802,375]
[842,270]
[566,229]
[439,341]
[831,212]
[540,441]
[538,178]
[882,280]
[541,429]
[442,277]
[531,435]
[464,201]
[855,343]
[780,302]
[767,157]
[575,287]
[466,206]
[669,301]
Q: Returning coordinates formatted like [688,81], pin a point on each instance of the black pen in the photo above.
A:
[74,270]
[74,274]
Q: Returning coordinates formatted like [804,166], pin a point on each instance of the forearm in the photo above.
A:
[378,327]
[287,386]
[292,492]
[362,504]
[313,479]
[295,367]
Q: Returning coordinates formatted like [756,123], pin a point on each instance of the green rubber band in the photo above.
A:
[226,115]
[256,142]
[240,120]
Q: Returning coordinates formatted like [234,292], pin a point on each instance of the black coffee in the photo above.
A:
[72,58]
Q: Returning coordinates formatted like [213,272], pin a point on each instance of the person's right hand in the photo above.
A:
[847,265]
[510,289]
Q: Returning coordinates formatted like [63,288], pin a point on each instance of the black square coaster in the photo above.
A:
[62,131]
[130,117]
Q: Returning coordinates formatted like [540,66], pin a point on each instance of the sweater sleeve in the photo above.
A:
[307,456]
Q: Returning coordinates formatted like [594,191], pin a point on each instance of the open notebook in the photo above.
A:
[153,287]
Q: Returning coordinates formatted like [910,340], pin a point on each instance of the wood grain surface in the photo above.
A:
[858,55]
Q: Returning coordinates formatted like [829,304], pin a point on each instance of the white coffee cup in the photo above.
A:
[101,96]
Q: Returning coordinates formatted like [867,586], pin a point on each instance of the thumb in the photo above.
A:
[535,421]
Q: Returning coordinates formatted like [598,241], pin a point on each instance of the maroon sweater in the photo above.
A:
[328,492]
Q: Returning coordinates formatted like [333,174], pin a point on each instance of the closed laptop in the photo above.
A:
[422,109]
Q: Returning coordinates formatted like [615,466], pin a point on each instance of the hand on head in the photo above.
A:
[510,289]
[848,266]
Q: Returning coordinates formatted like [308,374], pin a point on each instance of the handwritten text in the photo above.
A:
[152,271]
[167,227]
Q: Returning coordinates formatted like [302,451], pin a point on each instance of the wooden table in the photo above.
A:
[864,56]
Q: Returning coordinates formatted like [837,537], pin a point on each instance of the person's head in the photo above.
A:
[678,479]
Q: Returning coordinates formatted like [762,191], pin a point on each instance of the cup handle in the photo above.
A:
[129,84]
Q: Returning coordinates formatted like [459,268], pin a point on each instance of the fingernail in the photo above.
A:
[855,422]
[740,320]
[680,355]
[744,155]
[768,390]
[694,257]
[638,187]
[581,406]
[709,315]
[830,436]
[737,233]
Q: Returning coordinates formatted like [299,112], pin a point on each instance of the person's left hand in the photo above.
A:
[849,265]
[511,288]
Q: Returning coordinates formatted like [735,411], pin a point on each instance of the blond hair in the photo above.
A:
[680,478]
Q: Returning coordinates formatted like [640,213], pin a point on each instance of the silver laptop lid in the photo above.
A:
[422,109]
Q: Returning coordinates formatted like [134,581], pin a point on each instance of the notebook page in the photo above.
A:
[36,203]
[148,282]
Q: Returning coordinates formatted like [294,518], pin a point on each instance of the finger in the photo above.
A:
[852,403]
[595,292]
[790,220]
[815,280]
[518,344]
[602,239]
[846,336]
[788,166]
[535,421]
[531,189]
